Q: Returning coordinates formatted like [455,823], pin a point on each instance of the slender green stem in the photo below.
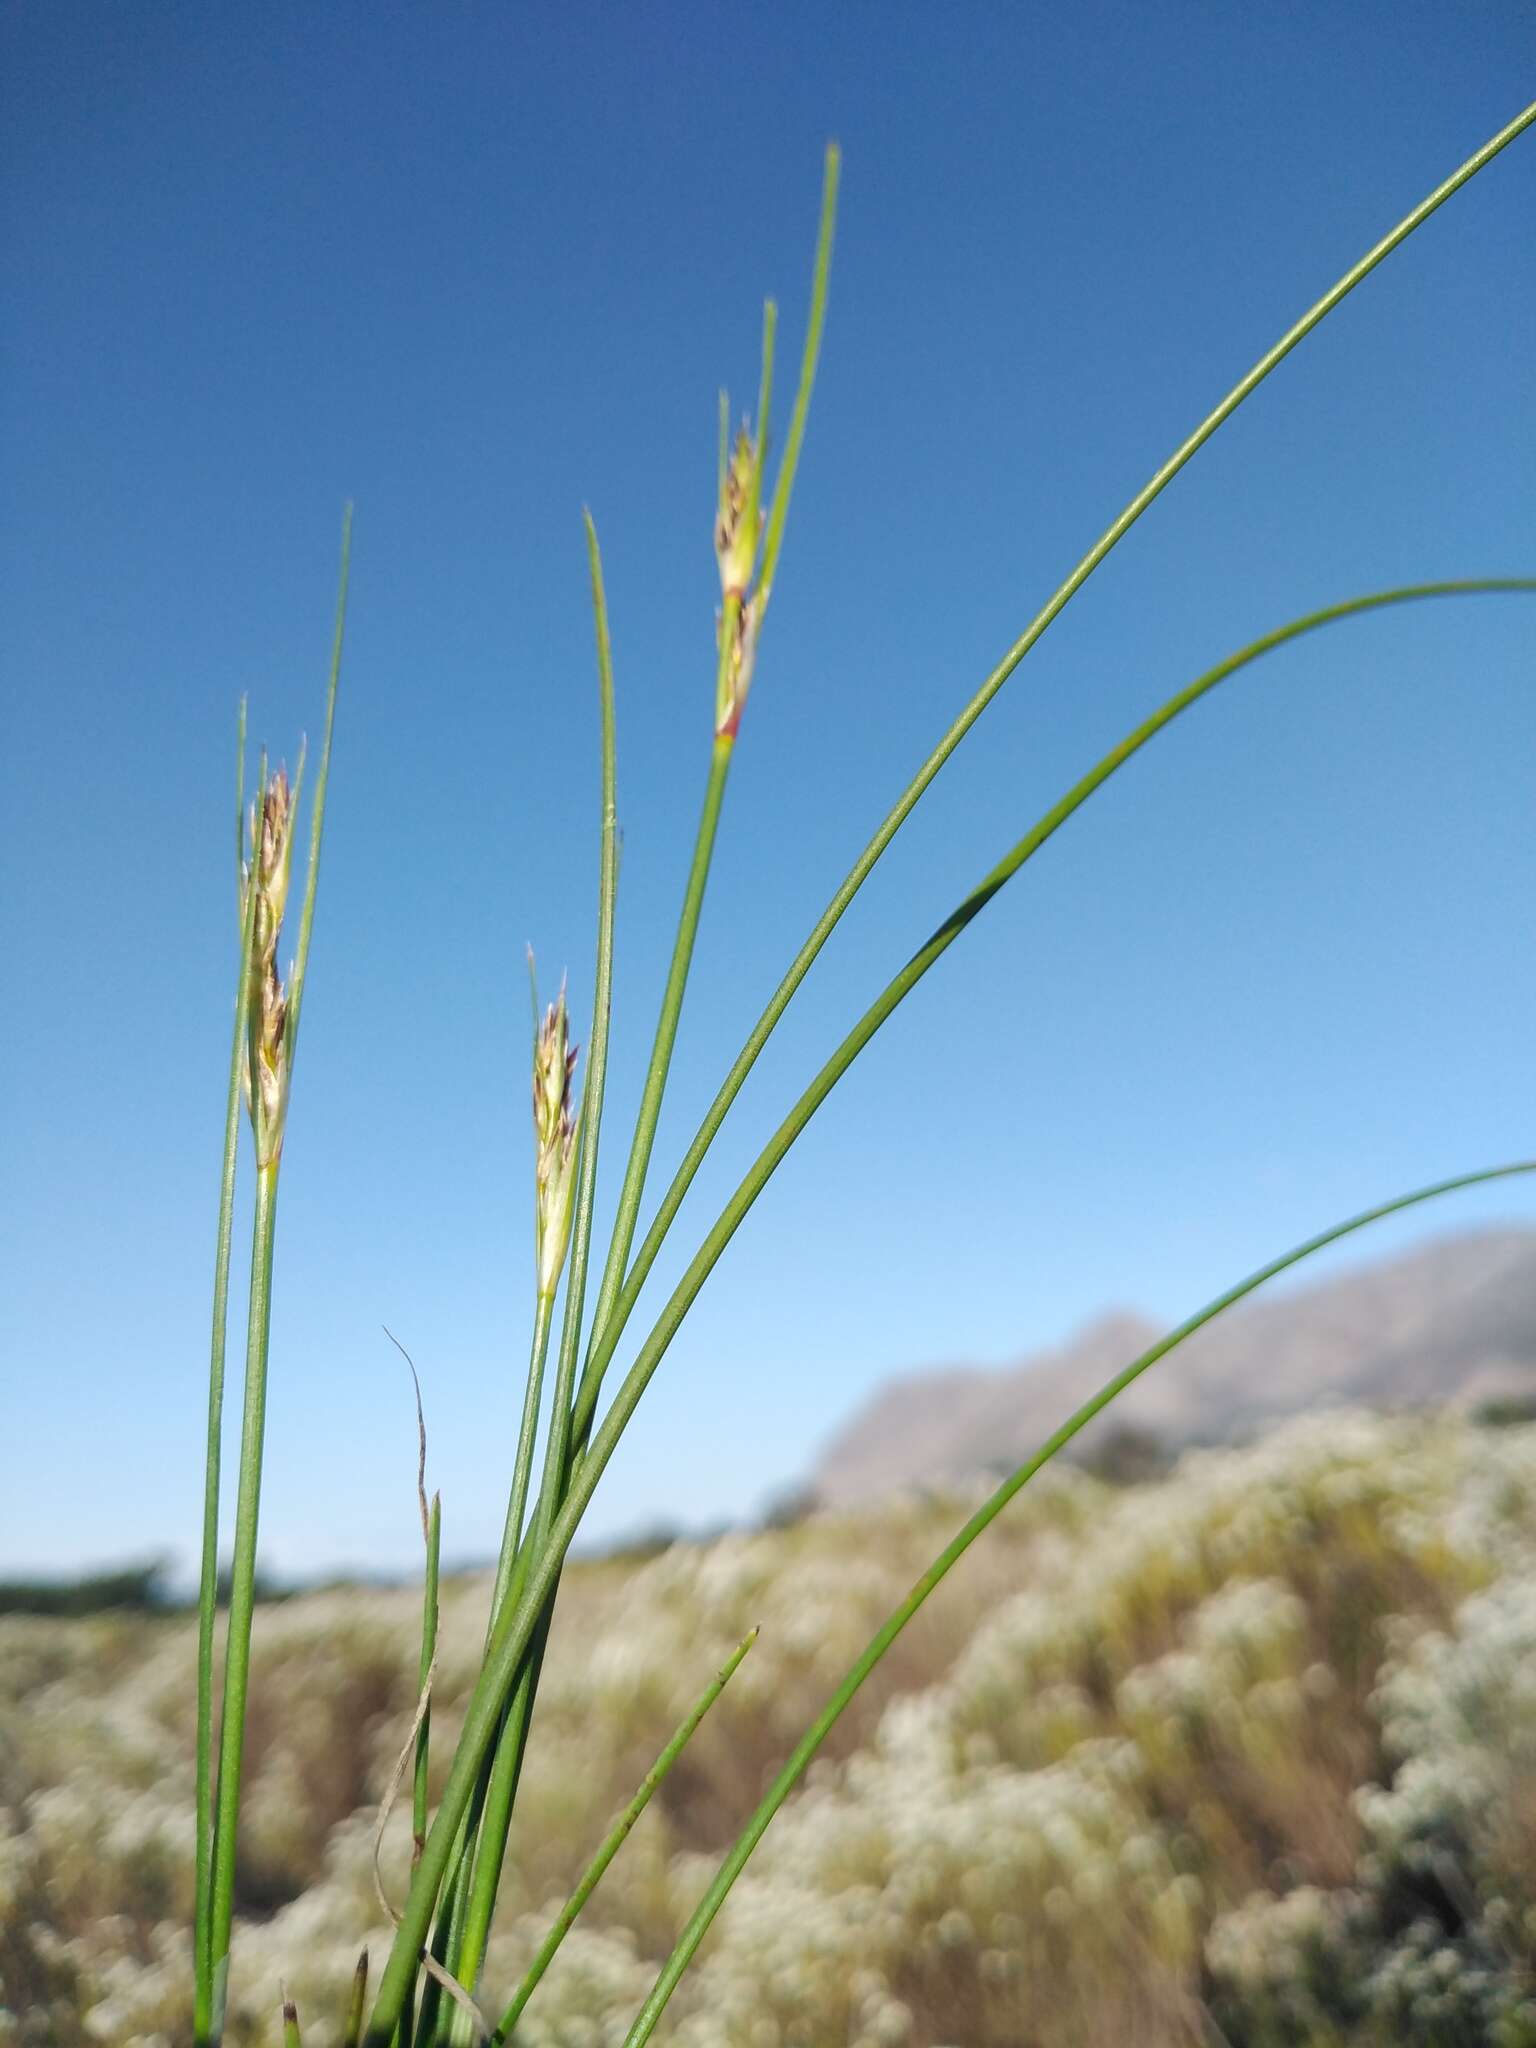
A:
[497,1815]
[883,1638]
[242,1596]
[633,1189]
[322,780]
[862,868]
[437,2018]
[616,1837]
[779,512]
[629,1204]
[290,2024]
[497,1778]
[212,1963]
[558,1446]
[518,1620]
[495,1825]
[518,1624]
[517,1500]
[429,1617]
[485,1843]
[473,1887]
[764,399]
[208,1584]
[429,1605]
[430,2019]
[950,930]
[1053,819]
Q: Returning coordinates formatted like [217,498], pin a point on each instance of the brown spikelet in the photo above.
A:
[738,517]
[554,1136]
[266,1076]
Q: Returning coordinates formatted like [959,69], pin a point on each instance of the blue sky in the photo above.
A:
[473,266]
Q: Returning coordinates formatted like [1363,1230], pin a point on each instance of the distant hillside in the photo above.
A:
[1453,1324]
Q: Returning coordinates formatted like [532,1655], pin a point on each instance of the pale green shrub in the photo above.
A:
[1141,1787]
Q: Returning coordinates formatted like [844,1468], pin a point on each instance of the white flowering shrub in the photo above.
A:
[1432,1941]
[1253,1747]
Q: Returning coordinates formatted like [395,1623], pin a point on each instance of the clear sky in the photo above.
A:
[475,265]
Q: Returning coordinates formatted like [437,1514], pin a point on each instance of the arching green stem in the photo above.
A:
[613,1308]
[517,1624]
[984,1516]
[615,1839]
[1027,846]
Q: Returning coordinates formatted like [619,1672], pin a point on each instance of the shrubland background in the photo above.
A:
[1244,1753]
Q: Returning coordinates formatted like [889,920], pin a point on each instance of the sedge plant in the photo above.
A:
[266,1032]
[431,1990]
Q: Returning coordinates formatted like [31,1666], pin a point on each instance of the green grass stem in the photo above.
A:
[450,1919]
[616,1837]
[322,783]
[773,540]
[557,1449]
[490,1846]
[606,1327]
[984,1516]
[764,395]
[242,1597]
[429,1609]
[208,1582]
[1044,828]
[499,1772]
[633,1189]
[522,1467]
[448,2012]
[433,1533]
[516,1627]
[517,1623]
[597,1054]
[497,1814]
[211,1976]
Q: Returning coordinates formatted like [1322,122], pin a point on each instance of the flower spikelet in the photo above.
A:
[739,524]
[267,871]
[554,1137]
[739,520]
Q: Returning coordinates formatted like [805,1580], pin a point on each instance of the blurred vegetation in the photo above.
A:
[1128,1455]
[1242,1754]
[1502,1414]
[131,1589]
[138,1588]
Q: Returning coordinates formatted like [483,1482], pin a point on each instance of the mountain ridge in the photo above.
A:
[1451,1323]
